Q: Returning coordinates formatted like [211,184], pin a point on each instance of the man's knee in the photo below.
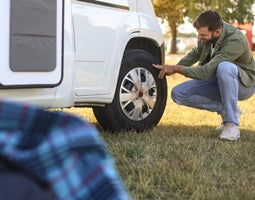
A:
[175,95]
[226,69]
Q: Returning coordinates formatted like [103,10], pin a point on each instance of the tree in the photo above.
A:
[239,11]
[173,11]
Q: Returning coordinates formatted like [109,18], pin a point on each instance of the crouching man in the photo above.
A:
[224,75]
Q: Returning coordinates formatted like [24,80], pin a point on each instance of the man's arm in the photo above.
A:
[167,70]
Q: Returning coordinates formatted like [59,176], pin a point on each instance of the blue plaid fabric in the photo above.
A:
[63,150]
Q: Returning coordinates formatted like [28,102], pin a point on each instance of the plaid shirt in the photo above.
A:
[63,150]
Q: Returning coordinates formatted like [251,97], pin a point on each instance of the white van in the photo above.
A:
[84,53]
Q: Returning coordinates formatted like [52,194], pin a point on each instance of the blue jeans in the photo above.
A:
[219,94]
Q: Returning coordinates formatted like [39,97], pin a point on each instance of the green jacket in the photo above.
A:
[232,46]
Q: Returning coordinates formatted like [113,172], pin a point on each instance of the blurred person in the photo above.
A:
[224,75]
[54,156]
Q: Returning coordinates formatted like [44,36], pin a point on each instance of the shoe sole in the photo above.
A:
[230,139]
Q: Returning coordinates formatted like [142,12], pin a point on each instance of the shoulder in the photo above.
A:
[232,32]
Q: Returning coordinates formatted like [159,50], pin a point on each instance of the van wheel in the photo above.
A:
[140,97]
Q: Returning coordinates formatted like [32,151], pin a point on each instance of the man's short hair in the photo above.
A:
[210,19]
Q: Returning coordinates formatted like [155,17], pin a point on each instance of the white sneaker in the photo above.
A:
[230,132]
[221,126]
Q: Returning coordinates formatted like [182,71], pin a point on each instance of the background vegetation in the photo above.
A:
[174,11]
[183,157]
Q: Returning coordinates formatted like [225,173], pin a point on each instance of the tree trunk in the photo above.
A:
[173,28]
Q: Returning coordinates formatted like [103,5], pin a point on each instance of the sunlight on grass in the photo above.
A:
[183,158]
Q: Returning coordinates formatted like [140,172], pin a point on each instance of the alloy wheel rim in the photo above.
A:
[138,94]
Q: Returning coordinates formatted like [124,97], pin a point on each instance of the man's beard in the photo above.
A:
[213,40]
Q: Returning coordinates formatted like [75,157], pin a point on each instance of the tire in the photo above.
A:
[140,97]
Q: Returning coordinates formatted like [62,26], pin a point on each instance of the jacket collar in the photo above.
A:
[222,36]
[208,46]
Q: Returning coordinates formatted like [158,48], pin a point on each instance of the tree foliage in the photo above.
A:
[239,11]
[173,11]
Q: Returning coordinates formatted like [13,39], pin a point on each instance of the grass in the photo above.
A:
[183,157]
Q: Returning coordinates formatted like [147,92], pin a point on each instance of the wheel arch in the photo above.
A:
[149,45]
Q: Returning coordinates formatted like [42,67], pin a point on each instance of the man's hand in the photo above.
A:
[167,70]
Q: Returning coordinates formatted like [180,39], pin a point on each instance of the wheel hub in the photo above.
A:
[138,94]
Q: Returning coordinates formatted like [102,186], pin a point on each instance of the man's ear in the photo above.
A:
[217,32]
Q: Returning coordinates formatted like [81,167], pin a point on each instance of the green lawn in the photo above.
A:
[183,157]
